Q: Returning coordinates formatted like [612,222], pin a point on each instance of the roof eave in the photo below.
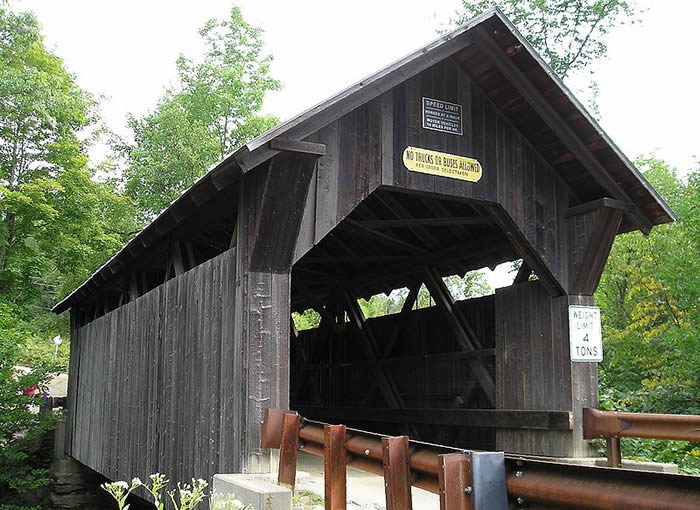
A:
[587,116]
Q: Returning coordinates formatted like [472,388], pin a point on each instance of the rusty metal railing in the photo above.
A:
[530,483]
[612,425]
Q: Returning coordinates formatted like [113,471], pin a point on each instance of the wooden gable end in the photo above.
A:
[365,150]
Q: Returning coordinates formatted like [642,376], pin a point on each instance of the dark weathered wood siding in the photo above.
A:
[178,380]
[365,148]
[156,384]
[427,364]
[533,370]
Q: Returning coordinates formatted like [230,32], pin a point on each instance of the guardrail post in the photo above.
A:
[455,480]
[288,450]
[271,436]
[614,452]
[334,467]
[397,473]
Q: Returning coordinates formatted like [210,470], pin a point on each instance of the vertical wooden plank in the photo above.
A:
[73,374]
[397,473]
[213,370]
[230,421]
[307,229]
[327,190]
[387,137]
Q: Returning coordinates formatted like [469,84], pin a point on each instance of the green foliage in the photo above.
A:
[56,224]
[472,285]
[306,499]
[683,453]
[21,472]
[213,110]
[569,34]
[309,319]
[649,297]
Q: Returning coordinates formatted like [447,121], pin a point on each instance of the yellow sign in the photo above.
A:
[439,163]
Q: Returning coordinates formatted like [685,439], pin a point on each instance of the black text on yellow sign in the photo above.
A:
[439,163]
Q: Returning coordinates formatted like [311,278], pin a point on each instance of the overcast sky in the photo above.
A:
[126,51]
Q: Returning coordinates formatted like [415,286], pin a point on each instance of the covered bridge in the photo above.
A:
[466,154]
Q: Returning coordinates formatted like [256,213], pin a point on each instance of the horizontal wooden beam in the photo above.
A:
[351,225]
[472,418]
[401,360]
[432,222]
[281,144]
[594,205]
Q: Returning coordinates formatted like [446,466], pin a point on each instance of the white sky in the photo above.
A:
[126,51]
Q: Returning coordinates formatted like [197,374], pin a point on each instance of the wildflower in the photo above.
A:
[120,491]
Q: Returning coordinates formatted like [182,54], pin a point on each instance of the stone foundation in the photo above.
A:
[76,486]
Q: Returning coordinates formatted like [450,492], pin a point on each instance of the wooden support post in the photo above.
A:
[189,251]
[288,450]
[614,452]
[178,259]
[133,288]
[455,480]
[301,360]
[403,315]
[334,467]
[397,473]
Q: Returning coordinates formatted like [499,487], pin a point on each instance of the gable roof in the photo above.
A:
[516,79]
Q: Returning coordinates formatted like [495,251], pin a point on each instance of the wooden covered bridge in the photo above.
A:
[465,154]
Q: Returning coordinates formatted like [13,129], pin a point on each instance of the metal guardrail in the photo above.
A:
[529,482]
[612,425]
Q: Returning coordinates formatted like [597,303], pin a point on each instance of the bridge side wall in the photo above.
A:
[534,371]
[146,379]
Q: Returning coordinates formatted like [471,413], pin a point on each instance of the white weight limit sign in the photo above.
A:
[585,335]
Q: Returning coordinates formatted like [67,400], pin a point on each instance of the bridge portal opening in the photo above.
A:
[420,360]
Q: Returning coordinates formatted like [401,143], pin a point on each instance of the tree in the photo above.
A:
[41,111]
[649,295]
[214,109]
[56,222]
[569,34]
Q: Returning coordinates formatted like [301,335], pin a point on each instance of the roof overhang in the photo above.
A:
[511,62]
